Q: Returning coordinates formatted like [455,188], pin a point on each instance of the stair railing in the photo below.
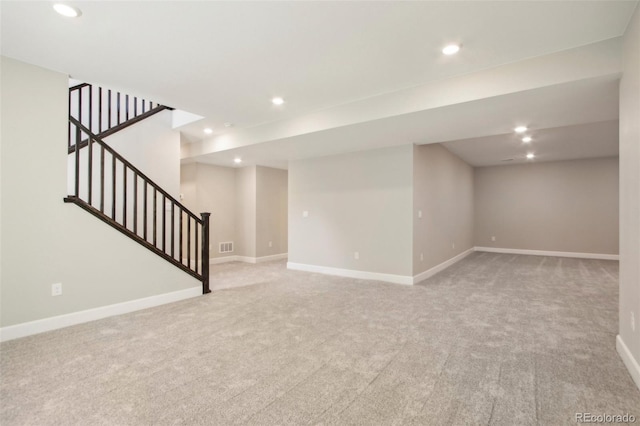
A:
[106,111]
[111,188]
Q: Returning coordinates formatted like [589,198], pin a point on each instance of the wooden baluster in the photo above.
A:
[144,212]
[204,269]
[109,111]
[90,169]
[155,216]
[99,109]
[180,237]
[90,126]
[101,178]
[113,187]
[173,221]
[195,245]
[164,223]
[135,203]
[77,165]
[188,241]
[79,110]
[127,108]
[124,195]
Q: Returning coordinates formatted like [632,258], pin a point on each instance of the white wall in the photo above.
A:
[569,206]
[356,202]
[630,196]
[46,241]
[443,192]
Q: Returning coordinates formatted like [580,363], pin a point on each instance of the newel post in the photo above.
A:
[205,253]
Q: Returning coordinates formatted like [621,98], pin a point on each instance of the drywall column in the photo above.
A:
[629,337]
[359,202]
[271,212]
[442,207]
[246,212]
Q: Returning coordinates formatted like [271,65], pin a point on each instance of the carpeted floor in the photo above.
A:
[495,339]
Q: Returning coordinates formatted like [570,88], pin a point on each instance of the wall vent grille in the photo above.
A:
[226,247]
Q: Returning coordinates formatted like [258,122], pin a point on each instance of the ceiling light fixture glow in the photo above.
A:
[237,160]
[66,10]
[527,139]
[277,101]
[520,129]
[530,156]
[208,130]
[451,49]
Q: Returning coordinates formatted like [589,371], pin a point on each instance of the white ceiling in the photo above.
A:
[225,60]
[591,140]
[569,104]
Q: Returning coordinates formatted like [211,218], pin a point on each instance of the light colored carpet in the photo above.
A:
[495,339]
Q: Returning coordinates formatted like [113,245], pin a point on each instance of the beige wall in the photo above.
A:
[46,241]
[630,191]
[271,211]
[443,192]
[567,206]
[209,188]
[356,202]
[248,206]
[245,243]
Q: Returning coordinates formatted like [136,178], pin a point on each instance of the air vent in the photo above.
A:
[226,247]
[507,159]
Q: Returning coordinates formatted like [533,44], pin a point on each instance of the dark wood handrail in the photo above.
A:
[113,152]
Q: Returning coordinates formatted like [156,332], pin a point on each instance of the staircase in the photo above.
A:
[112,189]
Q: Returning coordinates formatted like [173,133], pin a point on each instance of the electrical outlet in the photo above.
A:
[356,255]
[453,246]
[421,257]
[270,243]
[493,238]
[56,289]
[305,213]
[633,322]
[419,214]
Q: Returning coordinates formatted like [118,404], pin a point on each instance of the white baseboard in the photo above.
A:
[629,361]
[53,323]
[247,259]
[225,259]
[444,265]
[550,253]
[350,273]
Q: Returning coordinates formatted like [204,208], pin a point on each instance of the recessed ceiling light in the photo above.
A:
[451,49]
[237,160]
[66,10]
[208,130]
[520,129]
[530,156]
[527,139]
[277,101]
